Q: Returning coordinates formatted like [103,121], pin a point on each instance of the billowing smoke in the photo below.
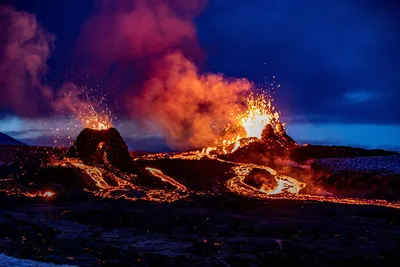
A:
[150,52]
[157,42]
[130,34]
[24,50]
[190,108]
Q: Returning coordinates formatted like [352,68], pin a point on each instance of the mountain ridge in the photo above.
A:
[8,140]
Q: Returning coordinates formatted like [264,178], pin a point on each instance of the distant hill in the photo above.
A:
[8,140]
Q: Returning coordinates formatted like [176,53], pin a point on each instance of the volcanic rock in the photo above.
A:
[260,178]
[277,137]
[359,184]
[274,143]
[97,146]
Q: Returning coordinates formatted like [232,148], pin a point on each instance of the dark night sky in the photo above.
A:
[338,62]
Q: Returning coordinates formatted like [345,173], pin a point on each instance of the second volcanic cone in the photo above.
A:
[95,147]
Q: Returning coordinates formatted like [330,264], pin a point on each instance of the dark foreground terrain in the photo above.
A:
[210,229]
[220,230]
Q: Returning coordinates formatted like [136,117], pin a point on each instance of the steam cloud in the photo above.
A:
[158,38]
[153,41]
[24,50]
[189,107]
[139,29]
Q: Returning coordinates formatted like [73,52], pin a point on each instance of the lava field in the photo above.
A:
[263,202]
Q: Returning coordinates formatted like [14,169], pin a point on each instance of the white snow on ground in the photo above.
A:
[381,164]
[7,261]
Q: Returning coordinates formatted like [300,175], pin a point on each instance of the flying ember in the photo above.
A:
[90,110]
[259,112]
[96,120]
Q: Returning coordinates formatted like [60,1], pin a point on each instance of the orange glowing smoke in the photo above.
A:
[189,108]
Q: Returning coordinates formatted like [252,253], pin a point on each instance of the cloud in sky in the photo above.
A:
[25,48]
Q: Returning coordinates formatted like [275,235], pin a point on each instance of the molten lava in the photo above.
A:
[259,112]
[166,178]
[102,158]
[92,119]
[48,194]
[258,123]
[250,124]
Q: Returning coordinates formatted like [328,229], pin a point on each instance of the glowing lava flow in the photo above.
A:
[289,188]
[125,187]
[166,178]
[30,194]
[48,194]
[94,173]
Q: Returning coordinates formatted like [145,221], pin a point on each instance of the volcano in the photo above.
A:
[274,143]
[192,205]
[98,147]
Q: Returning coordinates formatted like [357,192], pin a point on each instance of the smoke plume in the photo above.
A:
[157,42]
[189,107]
[132,33]
[150,52]
[24,50]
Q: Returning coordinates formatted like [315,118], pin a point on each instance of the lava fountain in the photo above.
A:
[258,127]
[259,112]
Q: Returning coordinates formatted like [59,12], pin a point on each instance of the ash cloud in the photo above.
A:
[156,41]
[25,48]
[130,34]
[190,108]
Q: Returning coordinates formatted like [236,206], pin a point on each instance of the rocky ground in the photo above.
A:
[220,230]
[213,229]
[379,164]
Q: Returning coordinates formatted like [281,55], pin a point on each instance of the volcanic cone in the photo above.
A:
[277,138]
[95,147]
[274,143]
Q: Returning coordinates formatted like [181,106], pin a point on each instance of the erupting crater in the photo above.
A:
[251,157]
